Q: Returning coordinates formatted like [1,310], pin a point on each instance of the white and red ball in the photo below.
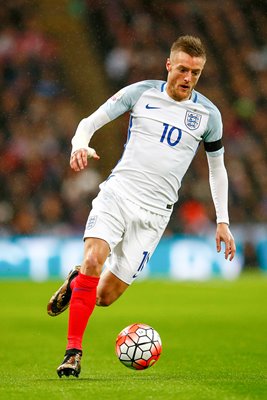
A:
[138,346]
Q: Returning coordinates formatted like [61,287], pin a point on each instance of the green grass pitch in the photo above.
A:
[214,337]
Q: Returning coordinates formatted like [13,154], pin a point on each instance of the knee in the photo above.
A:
[103,300]
[95,253]
[92,264]
[105,296]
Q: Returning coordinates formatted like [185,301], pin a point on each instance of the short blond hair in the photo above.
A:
[190,45]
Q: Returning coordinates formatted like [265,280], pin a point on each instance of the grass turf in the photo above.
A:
[214,338]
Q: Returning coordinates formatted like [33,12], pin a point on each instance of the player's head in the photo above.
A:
[190,45]
[184,66]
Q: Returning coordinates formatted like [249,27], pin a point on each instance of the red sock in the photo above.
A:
[82,304]
[73,281]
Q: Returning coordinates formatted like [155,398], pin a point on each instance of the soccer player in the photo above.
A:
[168,122]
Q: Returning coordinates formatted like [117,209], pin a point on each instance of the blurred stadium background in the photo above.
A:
[60,60]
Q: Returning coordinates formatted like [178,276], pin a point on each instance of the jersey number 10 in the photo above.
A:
[171,134]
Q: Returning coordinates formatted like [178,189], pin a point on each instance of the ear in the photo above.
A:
[168,65]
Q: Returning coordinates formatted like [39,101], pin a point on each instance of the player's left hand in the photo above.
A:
[223,234]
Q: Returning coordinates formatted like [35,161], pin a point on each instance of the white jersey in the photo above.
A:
[163,138]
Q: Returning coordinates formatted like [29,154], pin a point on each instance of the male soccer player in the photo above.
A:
[168,121]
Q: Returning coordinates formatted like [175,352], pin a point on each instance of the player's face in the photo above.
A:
[183,74]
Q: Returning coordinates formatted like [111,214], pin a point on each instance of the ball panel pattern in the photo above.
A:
[138,346]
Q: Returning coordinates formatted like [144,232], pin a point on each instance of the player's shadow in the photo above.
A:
[121,378]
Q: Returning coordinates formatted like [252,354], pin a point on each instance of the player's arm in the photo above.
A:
[218,180]
[80,141]
[117,105]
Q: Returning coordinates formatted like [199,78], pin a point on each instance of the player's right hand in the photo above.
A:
[79,159]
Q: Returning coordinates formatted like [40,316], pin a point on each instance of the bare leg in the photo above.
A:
[96,252]
[109,289]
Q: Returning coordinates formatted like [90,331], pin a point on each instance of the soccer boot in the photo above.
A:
[71,365]
[61,299]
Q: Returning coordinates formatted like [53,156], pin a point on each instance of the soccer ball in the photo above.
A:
[138,346]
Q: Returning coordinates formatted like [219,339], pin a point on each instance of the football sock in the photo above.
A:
[82,303]
[73,281]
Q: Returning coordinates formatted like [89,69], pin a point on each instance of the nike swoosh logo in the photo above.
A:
[151,107]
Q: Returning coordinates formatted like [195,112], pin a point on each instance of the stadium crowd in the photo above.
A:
[38,116]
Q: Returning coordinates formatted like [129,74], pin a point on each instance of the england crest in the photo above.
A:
[91,222]
[192,120]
